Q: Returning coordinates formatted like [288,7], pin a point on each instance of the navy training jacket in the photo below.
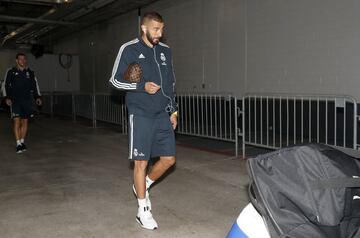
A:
[20,85]
[156,64]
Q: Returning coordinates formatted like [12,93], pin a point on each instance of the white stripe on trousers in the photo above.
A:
[131,135]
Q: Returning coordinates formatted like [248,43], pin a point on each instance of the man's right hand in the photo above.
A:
[8,102]
[151,88]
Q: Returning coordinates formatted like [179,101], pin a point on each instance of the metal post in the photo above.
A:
[302,120]
[287,121]
[318,121]
[355,126]
[335,123]
[73,107]
[274,127]
[225,117]
[236,128]
[92,44]
[206,116]
[255,121]
[52,105]
[249,120]
[216,114]
[326,121]
[344,142]
[267,121]
[202,114]
[220,116]
[280,116]
[198,114]
[94,110]
[182,113]
[211,116]
[295,121]
[243,126]
[261,120]
[310,120]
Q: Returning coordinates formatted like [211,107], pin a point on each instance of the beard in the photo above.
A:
[152,40]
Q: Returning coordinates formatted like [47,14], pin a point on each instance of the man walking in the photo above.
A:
[19,88]
[151,106]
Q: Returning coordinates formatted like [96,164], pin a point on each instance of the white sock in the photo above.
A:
[148,182]
[142,202]
[22,141]
[18,142]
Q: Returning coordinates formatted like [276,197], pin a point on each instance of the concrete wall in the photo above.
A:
[303,46]
[207,39]
[240,46]
[97,48]
[51,76]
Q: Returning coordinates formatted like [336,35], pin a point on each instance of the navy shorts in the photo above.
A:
[150,137]
[24,110]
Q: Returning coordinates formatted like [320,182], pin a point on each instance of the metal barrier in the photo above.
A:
[112,109]
[204,115]
[57,104]
[208,115]
[269,121]
[275,121]
[98,107]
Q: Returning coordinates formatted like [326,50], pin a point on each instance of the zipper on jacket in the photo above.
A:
[169,106]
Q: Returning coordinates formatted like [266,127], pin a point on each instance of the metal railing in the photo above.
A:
[98,107]
[268,121]
[275,121]
[212,116]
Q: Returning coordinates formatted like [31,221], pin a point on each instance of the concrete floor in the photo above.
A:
[75,181]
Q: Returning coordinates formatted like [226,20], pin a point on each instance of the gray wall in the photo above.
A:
[51,76]
[303,46]
[207,39]
[97,48]
[240,46]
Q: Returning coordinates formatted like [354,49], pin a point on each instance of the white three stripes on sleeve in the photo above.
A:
[3,88]
[37,87]
[115,82]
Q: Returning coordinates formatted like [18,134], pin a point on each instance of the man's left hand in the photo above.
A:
[38,102]
[173,119]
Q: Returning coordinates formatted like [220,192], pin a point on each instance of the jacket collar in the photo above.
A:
[18,69]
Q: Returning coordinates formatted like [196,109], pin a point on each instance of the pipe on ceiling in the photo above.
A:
[34,20]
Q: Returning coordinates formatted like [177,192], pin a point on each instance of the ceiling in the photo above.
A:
[25,23]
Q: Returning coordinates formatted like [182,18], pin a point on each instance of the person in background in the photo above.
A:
[19,88]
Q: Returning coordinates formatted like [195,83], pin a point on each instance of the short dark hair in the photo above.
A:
[20,54]
[152,16]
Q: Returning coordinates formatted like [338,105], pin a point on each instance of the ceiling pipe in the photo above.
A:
[35,20]
[89,8]
[39,2]
[25,27]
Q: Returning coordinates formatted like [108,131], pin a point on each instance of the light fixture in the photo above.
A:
[63,1]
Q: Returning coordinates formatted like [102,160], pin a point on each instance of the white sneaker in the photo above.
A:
[145,219]
[147,196]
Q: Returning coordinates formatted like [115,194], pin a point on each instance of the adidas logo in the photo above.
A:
[141,56]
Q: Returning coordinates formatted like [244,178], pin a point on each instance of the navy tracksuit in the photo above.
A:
[150,130]
[21,87]
[156,64]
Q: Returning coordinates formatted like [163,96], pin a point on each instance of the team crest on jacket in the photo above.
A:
[162,57]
